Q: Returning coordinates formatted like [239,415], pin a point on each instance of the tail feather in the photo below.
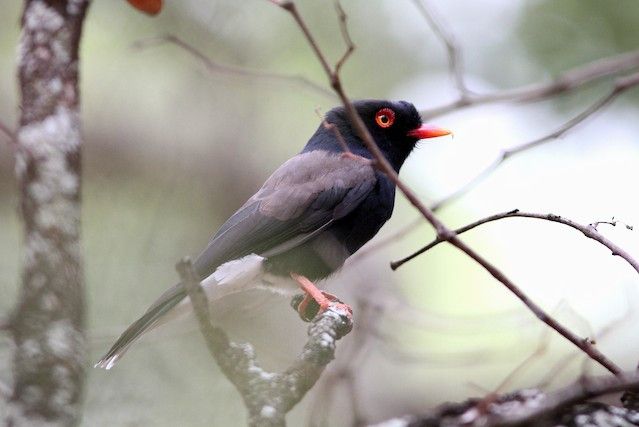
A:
[142,325]
[232,277]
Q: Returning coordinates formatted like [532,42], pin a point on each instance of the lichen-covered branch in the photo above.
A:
[47,324]
[568,406]
[268,396]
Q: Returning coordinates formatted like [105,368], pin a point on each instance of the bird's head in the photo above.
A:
[395,126]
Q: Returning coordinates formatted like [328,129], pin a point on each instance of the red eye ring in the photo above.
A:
[385,118]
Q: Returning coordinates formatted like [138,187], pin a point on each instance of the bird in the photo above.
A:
[314,212]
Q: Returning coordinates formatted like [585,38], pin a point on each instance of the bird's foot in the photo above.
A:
[314,301]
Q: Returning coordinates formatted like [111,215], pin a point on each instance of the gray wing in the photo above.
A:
[302,198]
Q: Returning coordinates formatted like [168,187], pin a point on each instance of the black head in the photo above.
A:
[395,126]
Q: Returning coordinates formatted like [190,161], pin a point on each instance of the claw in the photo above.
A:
[314,301]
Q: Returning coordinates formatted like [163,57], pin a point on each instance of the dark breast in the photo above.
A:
[361,225]
[326,253]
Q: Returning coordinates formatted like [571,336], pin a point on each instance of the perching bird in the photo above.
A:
[315,211]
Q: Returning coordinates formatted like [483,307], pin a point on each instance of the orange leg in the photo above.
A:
[323,299]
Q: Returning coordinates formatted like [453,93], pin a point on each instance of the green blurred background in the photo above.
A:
[171,150]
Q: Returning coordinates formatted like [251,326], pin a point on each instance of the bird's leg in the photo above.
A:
[312,295]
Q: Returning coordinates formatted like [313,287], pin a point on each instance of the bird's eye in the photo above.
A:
[385,118]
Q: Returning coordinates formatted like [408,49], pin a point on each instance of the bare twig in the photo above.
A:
[343,26]
[565,82]
[338,135]
[335,130]
[453,50]
[613,222]
[587,230]
[540,350]
[268,396]
[442,231]
[620,86]
[216,67]
[564,362]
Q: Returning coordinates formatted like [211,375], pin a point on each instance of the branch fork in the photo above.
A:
[268,396]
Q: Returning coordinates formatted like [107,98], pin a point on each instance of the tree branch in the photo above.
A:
[589,231]
[580,391]
[455,67]
[215,67]
[442,231]
[567,406]
[343,26]
[620,86]
[563,83]
[267,396]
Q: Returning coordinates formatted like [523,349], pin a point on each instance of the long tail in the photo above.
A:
[166,302]
[231,277]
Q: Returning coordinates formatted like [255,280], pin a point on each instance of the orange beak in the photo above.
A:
[428,131]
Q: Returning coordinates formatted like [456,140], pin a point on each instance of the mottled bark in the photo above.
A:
[570,406]
[48,322]
[268,396]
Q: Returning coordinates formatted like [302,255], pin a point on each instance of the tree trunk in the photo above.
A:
[48,322]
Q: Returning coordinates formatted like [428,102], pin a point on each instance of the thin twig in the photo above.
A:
[554,372]
[335,130]
[563,83]
[587,230]
[453,50]
[343,27]
[620,86]
[442,231]
[613,222]
[215,67]
[540,350]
